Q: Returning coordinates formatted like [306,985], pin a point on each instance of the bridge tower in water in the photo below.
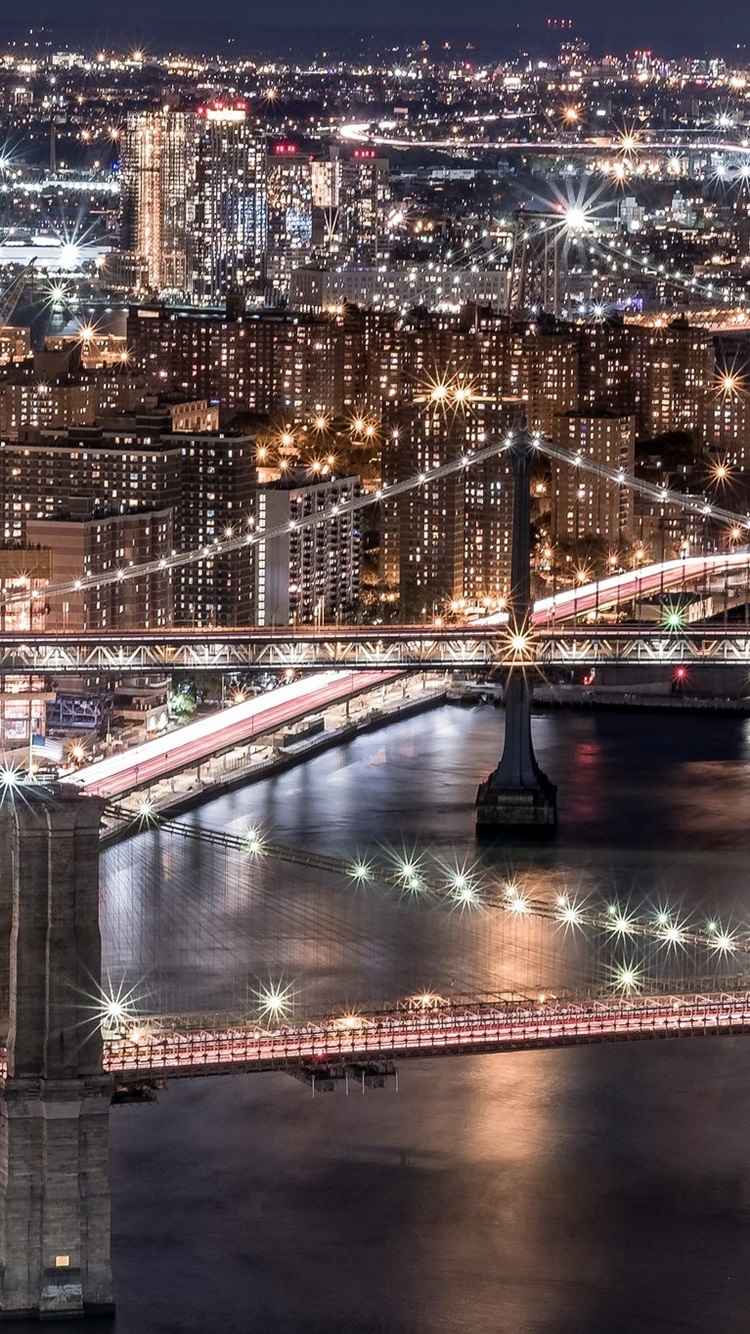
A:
[517,796]
[54,1098]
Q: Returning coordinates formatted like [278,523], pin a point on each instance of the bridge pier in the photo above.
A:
[54,1098]
[517,797]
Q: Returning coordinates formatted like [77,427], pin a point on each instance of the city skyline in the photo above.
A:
[377,379]
[674,28]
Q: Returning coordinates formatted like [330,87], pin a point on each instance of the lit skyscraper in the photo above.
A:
[584,505]
[448,542]
[231,206]
[350,205]
[289,213]
[158,163]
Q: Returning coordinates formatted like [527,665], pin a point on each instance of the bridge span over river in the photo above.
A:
[515,965]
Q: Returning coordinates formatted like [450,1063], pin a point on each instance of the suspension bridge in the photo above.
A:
[514,962]
[476,959]
[733,524]
[213,951]
[189,950]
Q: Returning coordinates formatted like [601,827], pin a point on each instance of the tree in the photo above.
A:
[182,705]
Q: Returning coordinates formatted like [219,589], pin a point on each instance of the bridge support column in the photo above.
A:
[517,797]
[54,1100]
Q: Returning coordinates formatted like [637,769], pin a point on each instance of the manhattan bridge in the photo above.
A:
[138,949]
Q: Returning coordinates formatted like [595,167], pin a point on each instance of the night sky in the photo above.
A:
[673,26]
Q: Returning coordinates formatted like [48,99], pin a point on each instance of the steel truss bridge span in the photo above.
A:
[150,1051]
[361,648]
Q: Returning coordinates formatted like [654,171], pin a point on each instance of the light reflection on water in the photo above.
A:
[592,1191]
[198,929]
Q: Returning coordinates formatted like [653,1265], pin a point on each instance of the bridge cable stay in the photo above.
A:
[15,290]
[664,495]
[209,922]
[459,885]
[189,926]
[690,286]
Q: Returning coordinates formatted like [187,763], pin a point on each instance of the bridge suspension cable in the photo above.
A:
[458,887]
[252,537]
[651,490]
[626,256]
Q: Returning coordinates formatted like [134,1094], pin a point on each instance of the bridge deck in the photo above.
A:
[144,1054]
[364,648]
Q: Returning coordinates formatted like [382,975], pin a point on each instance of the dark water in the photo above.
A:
[601,1189]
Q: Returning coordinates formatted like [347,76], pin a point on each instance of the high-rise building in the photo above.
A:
[396,286]
[97,478]
[269,361]
[727,417]
[447,542]
[370,359]
[103,543]
[231,206]
[351,196]
[15,344]
[676,372]
[289,213]
[28,401]
[545,373]
[309,573]
[158,165]
[608,379]
[582,504]
[728,425]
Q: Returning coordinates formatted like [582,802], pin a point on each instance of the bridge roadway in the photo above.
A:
[475,647]
[478,644]
[633,585]
[432,1028]
[199,741]
[645,141]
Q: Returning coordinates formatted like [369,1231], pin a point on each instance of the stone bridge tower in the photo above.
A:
[54,1097]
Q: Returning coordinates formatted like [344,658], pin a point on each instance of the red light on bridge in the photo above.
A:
[680,673]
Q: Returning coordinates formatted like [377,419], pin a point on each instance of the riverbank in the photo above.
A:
[629,701]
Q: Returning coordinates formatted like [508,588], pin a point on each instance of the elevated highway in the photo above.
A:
[199,741]
[571,144]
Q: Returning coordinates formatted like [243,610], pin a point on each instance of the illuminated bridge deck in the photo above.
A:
[159,1052]
[364,648]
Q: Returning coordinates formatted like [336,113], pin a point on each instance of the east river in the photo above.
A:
[585,1190]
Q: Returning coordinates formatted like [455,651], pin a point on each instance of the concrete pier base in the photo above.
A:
[518,798]
[54,1199]
[516,810]
[54,1098]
